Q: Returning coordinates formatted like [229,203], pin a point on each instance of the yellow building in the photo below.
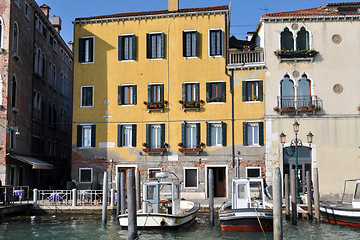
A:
[152,92]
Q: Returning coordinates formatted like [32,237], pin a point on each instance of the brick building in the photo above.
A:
[35,80]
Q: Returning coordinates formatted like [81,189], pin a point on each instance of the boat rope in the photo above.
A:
[143,226]
[257,216]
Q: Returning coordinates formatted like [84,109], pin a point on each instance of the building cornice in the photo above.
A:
[311,18]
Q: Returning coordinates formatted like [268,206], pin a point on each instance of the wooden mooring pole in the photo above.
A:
[316,196]
[105,198]
[131,192]
[293,198]
[287,197]
[277,205]
[309,196]
[211,197]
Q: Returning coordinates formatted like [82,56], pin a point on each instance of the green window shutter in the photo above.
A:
[148,135]
[91,50]
[134,135]
[287,41]
[245,134]
[162,45]
[133,39]
[162,93]
[198,134]
[135,95]
[183,134]
[184,92]
[162,137]
[149,93]
[197,44]
[208,134]
[148,46]
[261,87]
[120,48]
[184,44]
[244,91]
[81,50]
[208,92]
[79,136]
[197,97]
[119,142]
[223,93]
[93,135]
[120,95]
[224,131]
[261,133]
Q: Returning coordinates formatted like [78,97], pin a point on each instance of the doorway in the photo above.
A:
[220,179]
[125,169]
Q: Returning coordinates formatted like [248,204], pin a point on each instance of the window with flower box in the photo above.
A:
[155,136]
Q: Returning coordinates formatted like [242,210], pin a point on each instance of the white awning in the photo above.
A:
[36,163]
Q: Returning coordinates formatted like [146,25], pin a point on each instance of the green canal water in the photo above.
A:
[87,228]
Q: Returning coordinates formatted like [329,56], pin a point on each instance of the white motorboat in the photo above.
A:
[248,210]
[343,213]
[162,206]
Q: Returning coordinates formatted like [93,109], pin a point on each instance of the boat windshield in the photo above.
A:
[357,192]
[255,190]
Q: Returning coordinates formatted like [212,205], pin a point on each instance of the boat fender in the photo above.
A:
[162,223]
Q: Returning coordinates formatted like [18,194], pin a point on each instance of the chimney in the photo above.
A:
[56,22]
[173,5]
[71,45]
[46,10]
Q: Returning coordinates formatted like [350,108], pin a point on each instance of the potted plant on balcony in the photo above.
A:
[295,53]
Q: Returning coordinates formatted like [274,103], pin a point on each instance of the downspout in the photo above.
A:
[231,76]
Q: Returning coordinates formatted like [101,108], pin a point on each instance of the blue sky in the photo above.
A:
[245,14]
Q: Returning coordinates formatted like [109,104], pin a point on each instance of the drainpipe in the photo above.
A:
[231,76]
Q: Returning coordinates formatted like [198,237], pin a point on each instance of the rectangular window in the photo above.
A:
[27,11]
[127,94]
[253,133]
[155,45]
[190,177]
[86,135]
[156,93]
[127,135]
[216,135]
[190,44]
[152,172]
[216,37]
[13,139]
[86,49]
[127,46]
[87,96]
[85,175]
[252,91]
[216,92]
[51,40]
[191,135]
[190,92]
[253,172]
[155,136]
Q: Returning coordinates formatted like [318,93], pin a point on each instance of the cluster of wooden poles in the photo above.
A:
[277,199]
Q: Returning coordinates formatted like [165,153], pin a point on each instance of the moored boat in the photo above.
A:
[343,213]
[248,210]
[162,206]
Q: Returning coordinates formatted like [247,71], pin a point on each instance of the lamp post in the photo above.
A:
[295,143]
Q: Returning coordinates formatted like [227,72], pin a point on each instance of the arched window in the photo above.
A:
[43,65]
[304,91]
[40,61]
[36,60]
[13,92]
[54,77]
[302,40]
[287,40]
[50,74]
[1,32]
[287,92]
[15,38]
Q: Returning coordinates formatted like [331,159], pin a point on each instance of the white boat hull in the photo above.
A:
[154,220]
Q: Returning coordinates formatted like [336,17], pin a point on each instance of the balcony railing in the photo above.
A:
[298,104]
[245,59]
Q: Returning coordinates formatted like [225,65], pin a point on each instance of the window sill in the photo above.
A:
[155,151]
[87,62]
[127,105]
[128,60]
[86,147]
[216,56]
[86,106]
[216,102]
[155,59]
[191,188]
[195,151]
[14,109]
[192,57]
[257,101]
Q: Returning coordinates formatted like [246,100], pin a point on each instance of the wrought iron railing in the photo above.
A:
[14,194]
[91,197]
[243,58]
[55,197]
[299,104]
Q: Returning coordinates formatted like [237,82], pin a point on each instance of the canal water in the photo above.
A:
[88,228]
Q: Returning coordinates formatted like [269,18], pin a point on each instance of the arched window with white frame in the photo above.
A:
[302,39]
[287,40]
[1,32]
[287,92]
[304,91]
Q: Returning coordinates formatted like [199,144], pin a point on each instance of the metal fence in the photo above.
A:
[55,197]
[14,194]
